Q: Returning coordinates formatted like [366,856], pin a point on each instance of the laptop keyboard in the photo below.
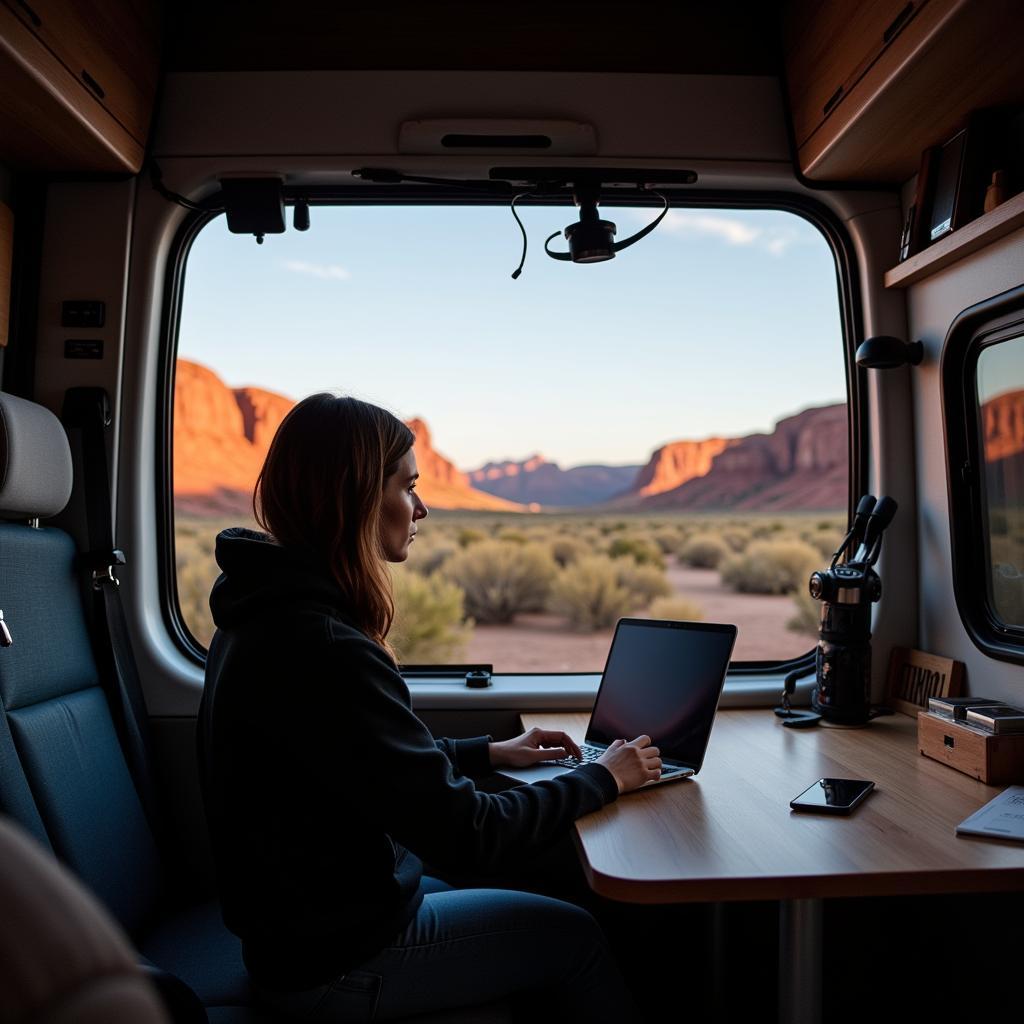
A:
[590,755]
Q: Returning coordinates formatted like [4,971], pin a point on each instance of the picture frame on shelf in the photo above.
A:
[946,211]
[916,237]
[984,158]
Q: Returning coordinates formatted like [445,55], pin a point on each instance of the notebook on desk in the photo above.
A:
[663,678]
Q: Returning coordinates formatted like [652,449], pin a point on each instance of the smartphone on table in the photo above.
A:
[832,796]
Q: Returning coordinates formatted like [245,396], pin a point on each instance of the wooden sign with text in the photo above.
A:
[914,676]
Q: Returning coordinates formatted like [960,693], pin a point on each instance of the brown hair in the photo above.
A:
[321,489]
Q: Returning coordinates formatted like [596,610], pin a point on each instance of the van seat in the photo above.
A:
[63,773]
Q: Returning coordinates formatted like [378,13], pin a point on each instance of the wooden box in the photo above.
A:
[995,760]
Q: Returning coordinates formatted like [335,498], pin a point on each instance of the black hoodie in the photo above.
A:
[319,779]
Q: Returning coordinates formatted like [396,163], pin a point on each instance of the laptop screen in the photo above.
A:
[663,679]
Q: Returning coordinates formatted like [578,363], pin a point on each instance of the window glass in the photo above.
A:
[661,434]
[1000,383]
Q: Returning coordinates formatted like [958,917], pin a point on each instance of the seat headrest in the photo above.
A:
[35,461]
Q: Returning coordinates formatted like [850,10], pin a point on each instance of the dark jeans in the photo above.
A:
[470,946]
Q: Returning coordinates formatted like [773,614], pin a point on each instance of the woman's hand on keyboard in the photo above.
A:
[532,747]
[632,764]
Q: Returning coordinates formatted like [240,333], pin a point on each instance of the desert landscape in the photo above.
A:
[527,566]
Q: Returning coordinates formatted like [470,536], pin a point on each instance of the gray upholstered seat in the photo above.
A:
[63,774]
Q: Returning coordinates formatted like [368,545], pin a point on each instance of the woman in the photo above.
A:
[322,787]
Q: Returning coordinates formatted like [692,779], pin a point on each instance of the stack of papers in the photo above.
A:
[1002,817]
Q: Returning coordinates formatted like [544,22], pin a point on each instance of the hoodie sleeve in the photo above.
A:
[428,808]
[471,758]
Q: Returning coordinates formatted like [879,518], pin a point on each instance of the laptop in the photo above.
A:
[663,678]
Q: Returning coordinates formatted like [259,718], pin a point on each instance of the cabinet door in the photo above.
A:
[110,46]
[829,44]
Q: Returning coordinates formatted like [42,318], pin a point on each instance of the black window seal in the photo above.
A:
[850,315]
[976,328]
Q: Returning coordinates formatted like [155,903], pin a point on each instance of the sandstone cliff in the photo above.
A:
[1002,420]
[673,464]
[221,437]
[802,464]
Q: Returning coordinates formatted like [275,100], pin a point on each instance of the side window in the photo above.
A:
[983,394]
[664,434]
[999,393]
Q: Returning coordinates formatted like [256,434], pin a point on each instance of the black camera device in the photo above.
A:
[847,590]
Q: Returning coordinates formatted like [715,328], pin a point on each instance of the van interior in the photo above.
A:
[208,211]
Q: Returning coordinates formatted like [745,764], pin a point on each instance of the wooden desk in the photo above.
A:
[728,834]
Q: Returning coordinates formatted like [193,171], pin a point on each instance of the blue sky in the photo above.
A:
[720,322]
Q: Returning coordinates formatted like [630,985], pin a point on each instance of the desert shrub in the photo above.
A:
[589,595]
[736,538]
[668,539]
[467,535]
[428,554]
[429,615]
[196,570]
[808,613]
[501,579]
[512,536]
[675,607]
[641,550]
[771,567]
[642,582]
[704,551]
[825,543]
[195,579]
[566,550]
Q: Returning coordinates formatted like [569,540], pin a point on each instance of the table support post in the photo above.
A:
[800,936]
[717,1010]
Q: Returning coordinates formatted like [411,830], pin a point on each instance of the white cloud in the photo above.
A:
[325,271]
[731,230]
[735,232]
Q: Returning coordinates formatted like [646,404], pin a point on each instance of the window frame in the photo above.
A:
[816,213]
[987,323]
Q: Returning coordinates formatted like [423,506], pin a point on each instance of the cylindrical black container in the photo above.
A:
[842,663]
[843,673]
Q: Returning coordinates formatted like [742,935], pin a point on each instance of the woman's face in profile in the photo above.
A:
[401,510]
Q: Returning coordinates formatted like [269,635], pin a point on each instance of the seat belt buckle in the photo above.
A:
[103,564]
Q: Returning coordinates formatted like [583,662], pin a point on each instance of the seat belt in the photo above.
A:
[88,410]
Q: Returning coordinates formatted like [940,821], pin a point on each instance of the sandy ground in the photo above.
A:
[544,643]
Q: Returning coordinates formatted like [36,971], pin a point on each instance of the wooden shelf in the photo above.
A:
[989,227]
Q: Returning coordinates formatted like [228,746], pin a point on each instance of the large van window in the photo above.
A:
[663,434]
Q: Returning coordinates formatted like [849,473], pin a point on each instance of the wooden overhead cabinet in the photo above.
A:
[77,83]
[873,83]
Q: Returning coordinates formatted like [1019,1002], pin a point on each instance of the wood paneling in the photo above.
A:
[114,42]
[49,119]
[954,57]
[830,44]
[729,834]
